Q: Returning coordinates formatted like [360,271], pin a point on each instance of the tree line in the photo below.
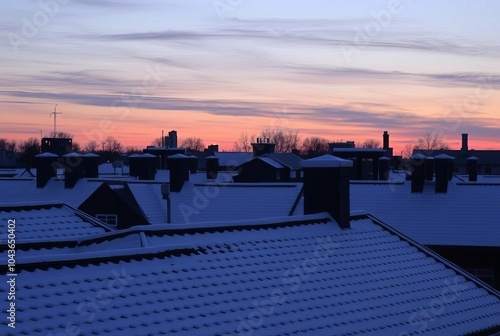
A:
[286,141]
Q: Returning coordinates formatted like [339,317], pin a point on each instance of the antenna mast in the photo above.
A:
[55,118]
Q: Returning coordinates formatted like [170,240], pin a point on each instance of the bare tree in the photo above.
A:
[132,150]
[29,149]
[285,141]
[91,146]
[60,134]
[431,142]
[408,151]
[314,146]
[371,143]
[158,142]
[194,144]
[76,147]
[8,145]
[111,148]
[244,143]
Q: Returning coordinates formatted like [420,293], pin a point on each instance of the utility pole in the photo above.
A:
[55,118]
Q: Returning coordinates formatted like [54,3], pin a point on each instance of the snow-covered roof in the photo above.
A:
[290,160]
[47,222]
[270,161]
[467,215]
[202,202]
[25,190]
[305,276]
[326,160]
[232,159]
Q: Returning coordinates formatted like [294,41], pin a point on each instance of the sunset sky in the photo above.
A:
[343,70]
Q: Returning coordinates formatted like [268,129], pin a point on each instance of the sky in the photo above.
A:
[343,70]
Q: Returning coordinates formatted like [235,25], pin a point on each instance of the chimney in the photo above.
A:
[212,167]
[146,166]
[179,171]
[465,143]
[429,168]
[326,187]
[193,164]
[442,166]
[261,148]
[418,175]
[386,140]
[46,167]
[91,165]
[73,169]
[472,167]
[384,164]
[142,166]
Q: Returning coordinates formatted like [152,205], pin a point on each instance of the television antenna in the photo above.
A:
[55,113]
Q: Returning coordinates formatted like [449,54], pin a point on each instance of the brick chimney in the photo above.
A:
[418,175]
[179,167]
[260,147]
[386,140]
[46,167]
[212,163]
[465,143]
[73,169]
[90,165]
[472,167]
[443,167]
[384,164]
[326,187]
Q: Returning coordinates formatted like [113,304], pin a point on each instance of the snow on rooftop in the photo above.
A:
[326,161]
[47,155]
[467,215]
[294,279]
[46,222]
[232,201]
[270,161]
[54,190]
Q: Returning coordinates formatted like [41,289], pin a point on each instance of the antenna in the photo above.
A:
[55,118]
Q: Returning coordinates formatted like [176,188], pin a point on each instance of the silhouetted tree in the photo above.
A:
[285,140]
[8,145]
[407,151]
[76,147]
[314,146]
[29,149]
[371,143]
[91,146]
[431,142]
[60,134]
[111,148]
[157,142]
[132,150]
[244,143]
[193,144]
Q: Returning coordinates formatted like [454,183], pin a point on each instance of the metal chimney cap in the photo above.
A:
[443,156]
[418,157]
[73,154]
[90,155]
[178,156]
[326,161]
[47,155]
